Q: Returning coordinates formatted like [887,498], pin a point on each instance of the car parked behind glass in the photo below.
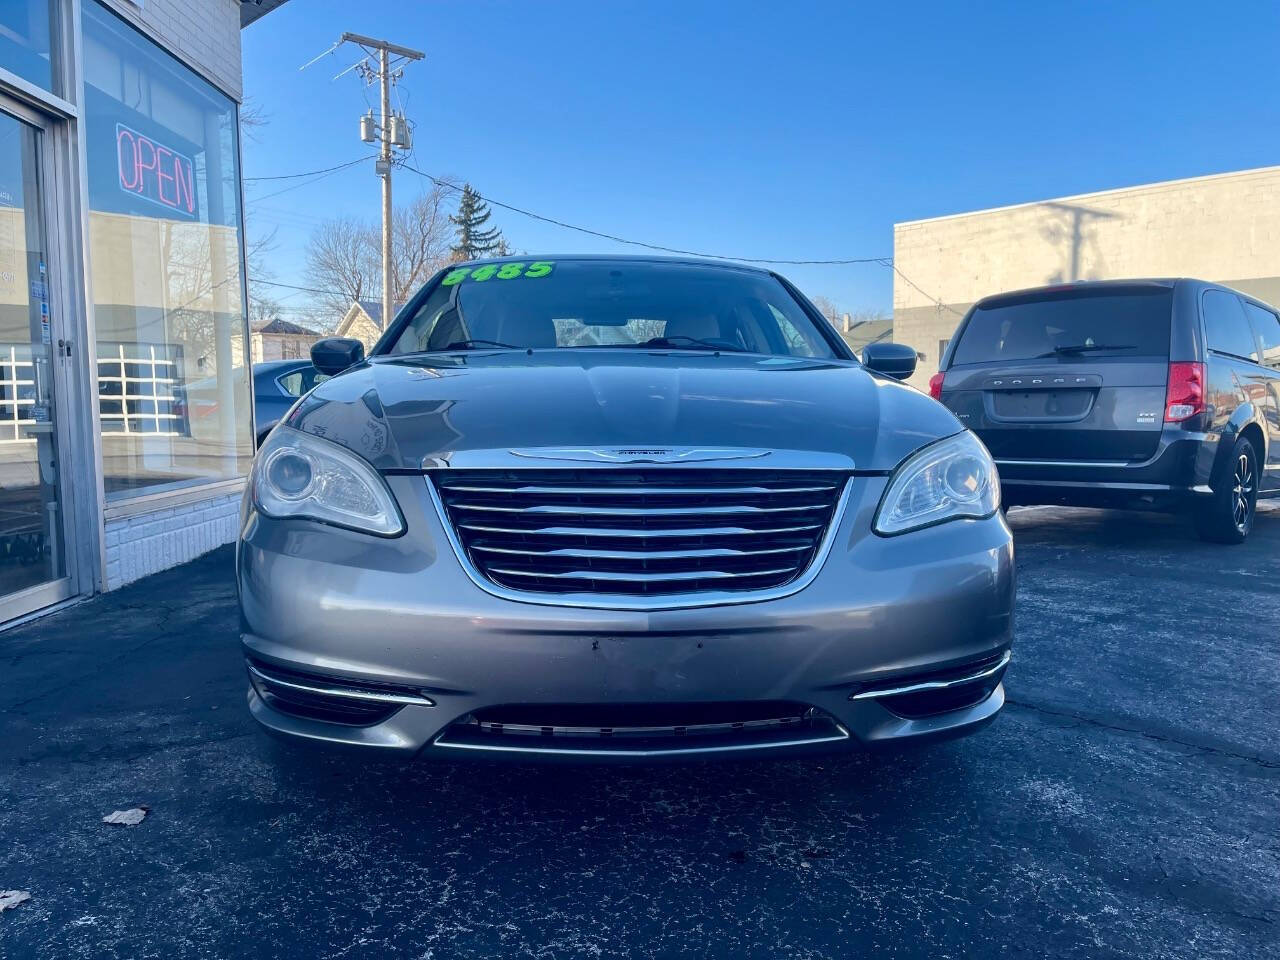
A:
[1131,393]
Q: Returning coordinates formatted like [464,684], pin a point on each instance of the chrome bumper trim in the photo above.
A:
[936,684]
[1063,463]
[650,752]
[342,692]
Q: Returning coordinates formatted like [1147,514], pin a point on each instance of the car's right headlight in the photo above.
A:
[299,475]
[947,480]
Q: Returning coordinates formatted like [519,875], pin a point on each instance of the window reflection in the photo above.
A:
[165,248]
[26,32]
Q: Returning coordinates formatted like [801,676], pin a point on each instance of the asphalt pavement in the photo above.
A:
[1125,804]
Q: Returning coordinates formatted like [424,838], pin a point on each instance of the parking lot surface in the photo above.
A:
[1126,804]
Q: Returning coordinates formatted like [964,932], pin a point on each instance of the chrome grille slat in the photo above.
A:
[543,490]
[637,577]
[639,532]
[583,553]
[573,509]
[623,532]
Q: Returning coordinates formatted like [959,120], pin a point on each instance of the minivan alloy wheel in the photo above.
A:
[1242,492]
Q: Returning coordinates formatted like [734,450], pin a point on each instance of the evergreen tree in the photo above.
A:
[473,239]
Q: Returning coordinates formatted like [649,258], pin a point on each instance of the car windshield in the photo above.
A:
[1070,323]
[615,304]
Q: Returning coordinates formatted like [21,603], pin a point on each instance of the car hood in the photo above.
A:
[411,413]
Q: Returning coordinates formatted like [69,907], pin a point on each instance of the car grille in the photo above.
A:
[640,532]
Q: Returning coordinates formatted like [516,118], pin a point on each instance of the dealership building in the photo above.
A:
[1224,228]
[126,426]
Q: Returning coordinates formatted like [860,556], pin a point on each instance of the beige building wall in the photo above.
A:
[1224,228]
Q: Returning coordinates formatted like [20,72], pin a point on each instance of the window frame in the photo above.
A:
[1208,331]
[1257,334]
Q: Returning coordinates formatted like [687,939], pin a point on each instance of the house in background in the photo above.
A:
[363,322]
[858,333]
[280,340]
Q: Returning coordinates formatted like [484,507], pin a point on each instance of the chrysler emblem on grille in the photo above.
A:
[642,454]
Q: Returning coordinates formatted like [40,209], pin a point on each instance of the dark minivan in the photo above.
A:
[1161,394]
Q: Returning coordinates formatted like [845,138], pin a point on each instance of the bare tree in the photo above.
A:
[342,259]
[344,255]
[827,307]
[421,238]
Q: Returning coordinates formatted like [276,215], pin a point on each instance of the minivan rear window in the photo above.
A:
[1070,323]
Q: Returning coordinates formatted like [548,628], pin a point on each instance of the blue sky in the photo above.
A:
[796,131]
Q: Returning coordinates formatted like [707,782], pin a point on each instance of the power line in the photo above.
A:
[883,261]
[310,173]
[316,179]
[449,185]
[294,286]
[635,243]
[911,283]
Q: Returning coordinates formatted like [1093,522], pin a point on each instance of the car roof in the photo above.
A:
[268,368]
[616,258]
[1081,286]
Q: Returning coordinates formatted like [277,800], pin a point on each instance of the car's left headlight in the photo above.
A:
[947,480]
[299,475]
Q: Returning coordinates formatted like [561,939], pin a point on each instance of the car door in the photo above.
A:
[1266,325]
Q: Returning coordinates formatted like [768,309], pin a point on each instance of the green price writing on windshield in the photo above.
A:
[505,271]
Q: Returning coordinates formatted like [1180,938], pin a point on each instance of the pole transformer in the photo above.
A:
[391,132]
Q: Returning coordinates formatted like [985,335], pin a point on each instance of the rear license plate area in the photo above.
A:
[1041,404]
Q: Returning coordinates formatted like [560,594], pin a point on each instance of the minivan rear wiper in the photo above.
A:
[1085,348]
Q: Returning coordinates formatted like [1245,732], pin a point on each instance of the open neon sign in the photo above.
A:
[155,172]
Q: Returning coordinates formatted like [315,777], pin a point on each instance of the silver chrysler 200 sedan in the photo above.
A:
[614,508]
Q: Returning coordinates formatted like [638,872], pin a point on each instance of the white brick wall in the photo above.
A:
[204,33]
[151,542]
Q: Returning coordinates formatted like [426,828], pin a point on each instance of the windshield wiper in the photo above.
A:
[1085,348]
[473,344]
[704,344]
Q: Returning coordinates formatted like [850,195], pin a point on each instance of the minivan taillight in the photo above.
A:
[1184,397]
[935,385]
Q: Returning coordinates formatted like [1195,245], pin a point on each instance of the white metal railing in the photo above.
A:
[16,371]
[153,385]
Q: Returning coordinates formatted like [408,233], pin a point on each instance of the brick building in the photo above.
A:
[126,421]
[1224,228]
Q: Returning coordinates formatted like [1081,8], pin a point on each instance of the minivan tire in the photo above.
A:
[1227,516]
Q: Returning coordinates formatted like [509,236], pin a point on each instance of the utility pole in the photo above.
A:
[392,132]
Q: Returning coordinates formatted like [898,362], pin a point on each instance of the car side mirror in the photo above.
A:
[332,355]
[895,360]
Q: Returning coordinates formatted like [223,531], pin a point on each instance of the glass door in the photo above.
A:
[33,514]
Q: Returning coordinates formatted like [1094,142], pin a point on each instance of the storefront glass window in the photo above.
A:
[165,249]
[26,40]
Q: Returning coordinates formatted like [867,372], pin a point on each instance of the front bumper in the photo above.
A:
[401,615]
